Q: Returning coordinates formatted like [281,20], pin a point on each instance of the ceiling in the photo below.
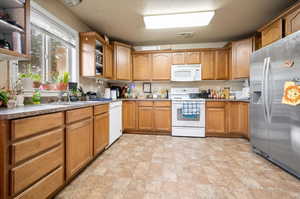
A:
[122,19]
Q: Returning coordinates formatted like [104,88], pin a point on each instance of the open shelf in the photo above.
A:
[11,4]
[12,55]
[6,27]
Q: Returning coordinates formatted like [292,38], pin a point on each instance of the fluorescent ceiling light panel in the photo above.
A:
[178,20]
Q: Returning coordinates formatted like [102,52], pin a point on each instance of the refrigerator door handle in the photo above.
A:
[264,93]
[267,96]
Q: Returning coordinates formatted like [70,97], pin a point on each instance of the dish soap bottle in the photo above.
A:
[36,98]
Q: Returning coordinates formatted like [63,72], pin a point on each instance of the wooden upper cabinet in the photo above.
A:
[186,58]
[292,22]
[222,65]
[208,65]
[178,58]
[87,55]
[241,53]
[129,115]
[92,54]
[122,61]
[161,66]
[192,58]
[272,33]
[142,67]
[108,60]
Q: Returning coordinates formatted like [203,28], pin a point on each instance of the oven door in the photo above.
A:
[188,114]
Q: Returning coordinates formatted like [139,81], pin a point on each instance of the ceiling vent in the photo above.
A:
[72,3]
[185,35]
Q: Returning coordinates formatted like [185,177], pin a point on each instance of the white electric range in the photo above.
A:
[188,115]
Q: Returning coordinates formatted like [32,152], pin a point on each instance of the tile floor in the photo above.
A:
[163,167]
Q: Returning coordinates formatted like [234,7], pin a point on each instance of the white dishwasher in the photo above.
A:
[115,121]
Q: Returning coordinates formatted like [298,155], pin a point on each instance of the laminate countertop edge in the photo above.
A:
[34,110]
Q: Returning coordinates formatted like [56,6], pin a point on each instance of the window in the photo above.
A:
[53,47]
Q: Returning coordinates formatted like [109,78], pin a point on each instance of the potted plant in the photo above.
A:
[3,97]
[36,78]
[26,80]
[63,81]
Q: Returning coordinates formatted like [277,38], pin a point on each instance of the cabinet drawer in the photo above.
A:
[79,114]
[100,109]
[27,173]
[162,103]
[145,103]
[33,125]
[35,145]
[215,104]
[44,187]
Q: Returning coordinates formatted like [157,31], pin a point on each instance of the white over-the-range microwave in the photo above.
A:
[186,73]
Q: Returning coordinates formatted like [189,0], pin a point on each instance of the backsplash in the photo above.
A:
[158,87]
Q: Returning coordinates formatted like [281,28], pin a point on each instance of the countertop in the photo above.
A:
[203,99]
[33,110]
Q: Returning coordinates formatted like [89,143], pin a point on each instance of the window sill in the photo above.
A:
[44,93]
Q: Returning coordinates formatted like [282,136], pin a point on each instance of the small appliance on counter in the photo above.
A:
[113,94]
[117,89]
[91,95]
[107,94]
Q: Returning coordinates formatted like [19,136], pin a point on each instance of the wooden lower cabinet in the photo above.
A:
[45,187]
[79,146]
[151,117]
[129,115]
[237,116]
[101,132]
[215,120]
[162,118]
[227,119]
[145,117]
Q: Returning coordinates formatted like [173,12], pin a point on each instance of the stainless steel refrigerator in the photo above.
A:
[275,127]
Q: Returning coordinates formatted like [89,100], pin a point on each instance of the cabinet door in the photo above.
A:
[122,62]
[142,67]
[145,118]
[208,65]
[233,117]
[221,67]
[192,58]
[79,149]
[244,109]
[101,132]
[87,55]
[129,115]
[241,52]
[161,66]
[215,120]
[292,22]
[162,118]
[178,58]
[272,33]
[108,68]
